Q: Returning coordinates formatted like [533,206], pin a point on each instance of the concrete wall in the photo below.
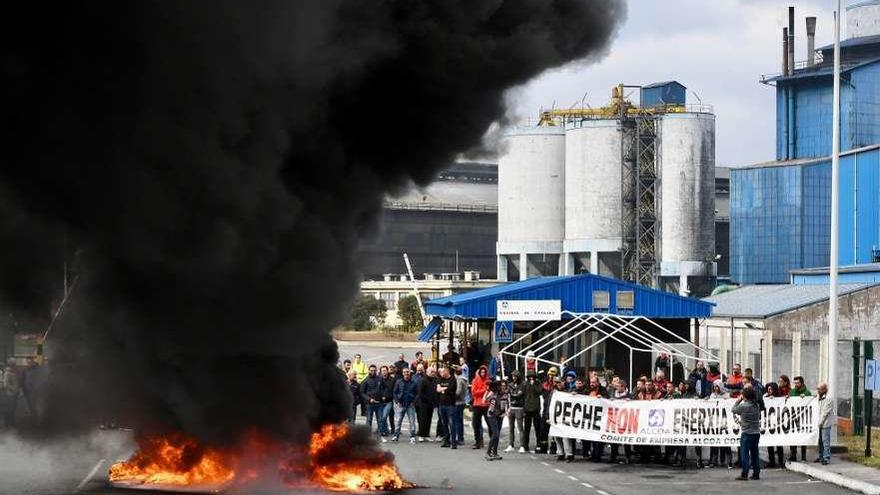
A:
[859,316]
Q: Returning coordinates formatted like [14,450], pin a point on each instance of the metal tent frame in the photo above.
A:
[611,326]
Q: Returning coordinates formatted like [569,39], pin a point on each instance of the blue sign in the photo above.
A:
[871,379]
[503,331]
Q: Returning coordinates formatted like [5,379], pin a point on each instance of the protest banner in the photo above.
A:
[696,422]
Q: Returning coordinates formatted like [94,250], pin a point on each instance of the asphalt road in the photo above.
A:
[380,353]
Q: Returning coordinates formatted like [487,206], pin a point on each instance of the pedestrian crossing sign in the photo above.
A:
[503,331]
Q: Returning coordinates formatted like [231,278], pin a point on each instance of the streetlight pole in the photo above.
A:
[835,227]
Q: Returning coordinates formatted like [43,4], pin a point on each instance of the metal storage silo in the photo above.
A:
[593,206]
[531,221]
[687,195]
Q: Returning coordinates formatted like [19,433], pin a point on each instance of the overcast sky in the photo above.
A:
[718,49]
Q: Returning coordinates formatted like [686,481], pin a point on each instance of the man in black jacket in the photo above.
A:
[371,396]
[355,389]
[426,401]
[515,412]
[387,400]
[446,387]
[531,409]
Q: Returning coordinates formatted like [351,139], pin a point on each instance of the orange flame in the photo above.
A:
[174,460]
[330,462]
[350,475]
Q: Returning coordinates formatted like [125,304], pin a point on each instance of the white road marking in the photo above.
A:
[545,464]
[90,475]
[572,478]
[559,471]
[533,457]
[587,485]
[600,492]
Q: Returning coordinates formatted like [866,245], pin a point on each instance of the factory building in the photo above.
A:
[780,211]
[783,328]
[626,190]
[449,226]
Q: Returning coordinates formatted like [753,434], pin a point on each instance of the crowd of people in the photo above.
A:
[418,390]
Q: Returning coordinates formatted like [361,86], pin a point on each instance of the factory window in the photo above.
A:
[427,296]
[625,299]
[601,300]
[390,299]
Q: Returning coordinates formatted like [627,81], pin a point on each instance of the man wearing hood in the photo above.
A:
[515,411]
[531,409]
[479,386]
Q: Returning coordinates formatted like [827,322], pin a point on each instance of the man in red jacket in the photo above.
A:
[735,381]
[479,386]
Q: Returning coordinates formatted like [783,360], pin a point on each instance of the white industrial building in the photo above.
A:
[624,190]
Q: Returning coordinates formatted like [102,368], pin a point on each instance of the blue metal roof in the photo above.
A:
[576,294]
[822,72]
[860,41]
[430,329]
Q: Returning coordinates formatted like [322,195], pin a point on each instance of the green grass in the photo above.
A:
[856,448]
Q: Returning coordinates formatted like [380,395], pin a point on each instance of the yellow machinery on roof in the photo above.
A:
[619,107]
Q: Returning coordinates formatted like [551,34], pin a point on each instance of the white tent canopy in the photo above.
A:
[620,328]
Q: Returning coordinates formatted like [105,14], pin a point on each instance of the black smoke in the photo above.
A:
[209,167]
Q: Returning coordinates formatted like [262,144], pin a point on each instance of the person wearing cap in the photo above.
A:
[531,409]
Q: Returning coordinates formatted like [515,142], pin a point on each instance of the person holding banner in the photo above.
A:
[750,433]
[719,455]
[772,390]
[564,446]
[798,390]
[620,393]
[826,421]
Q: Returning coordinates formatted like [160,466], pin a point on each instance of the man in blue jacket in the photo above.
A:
[405,395]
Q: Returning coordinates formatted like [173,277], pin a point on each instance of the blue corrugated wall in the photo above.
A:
[811,101]
[780,217]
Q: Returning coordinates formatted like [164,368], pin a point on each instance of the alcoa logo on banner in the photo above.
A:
[656,418]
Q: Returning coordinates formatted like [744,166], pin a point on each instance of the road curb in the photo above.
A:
[833,478]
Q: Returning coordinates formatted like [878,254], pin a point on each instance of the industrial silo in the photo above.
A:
[687,196]
[593,192]
[531,222]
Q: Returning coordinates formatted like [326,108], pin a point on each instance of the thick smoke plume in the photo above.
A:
[209,167]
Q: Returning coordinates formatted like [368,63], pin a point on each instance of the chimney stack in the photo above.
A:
[811,41]
[784,51]
[791,40]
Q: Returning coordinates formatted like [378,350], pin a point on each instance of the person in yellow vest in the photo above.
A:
[359,367]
